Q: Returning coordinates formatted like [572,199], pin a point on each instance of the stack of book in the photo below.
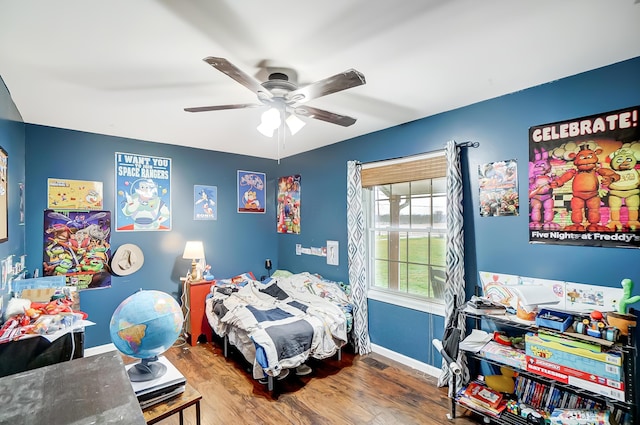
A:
[155,391]
[483,399]
[481,305]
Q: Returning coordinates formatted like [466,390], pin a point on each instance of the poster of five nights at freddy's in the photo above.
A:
[143,193]
[584,181]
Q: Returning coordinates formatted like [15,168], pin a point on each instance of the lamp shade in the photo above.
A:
[193,250]
[294,123]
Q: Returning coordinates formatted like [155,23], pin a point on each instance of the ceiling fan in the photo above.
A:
[284,97]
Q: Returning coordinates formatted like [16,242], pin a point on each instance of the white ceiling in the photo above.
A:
[128,68]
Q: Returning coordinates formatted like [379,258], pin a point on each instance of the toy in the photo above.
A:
[504,382]
[627,299]
[510,341]
[207,273]
[597,327]
[622,319]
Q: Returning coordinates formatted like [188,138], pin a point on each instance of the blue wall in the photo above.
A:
[234,243]
[498,244]
[240,242]
[12,140]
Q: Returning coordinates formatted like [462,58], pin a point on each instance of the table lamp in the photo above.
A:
[193,250]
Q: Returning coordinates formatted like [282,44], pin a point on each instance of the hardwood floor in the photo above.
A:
[356,390]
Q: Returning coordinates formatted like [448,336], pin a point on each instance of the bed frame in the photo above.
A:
[197,324]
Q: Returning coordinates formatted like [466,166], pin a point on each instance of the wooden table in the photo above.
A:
[174,405]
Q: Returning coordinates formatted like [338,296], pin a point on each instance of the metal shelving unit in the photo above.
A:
[628,349]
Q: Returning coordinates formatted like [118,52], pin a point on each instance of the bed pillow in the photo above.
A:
[281,273]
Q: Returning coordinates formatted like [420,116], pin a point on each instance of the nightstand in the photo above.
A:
[197,323]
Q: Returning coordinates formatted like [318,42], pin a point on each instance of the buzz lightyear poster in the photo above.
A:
[77,246]
[143,193]
[584,180]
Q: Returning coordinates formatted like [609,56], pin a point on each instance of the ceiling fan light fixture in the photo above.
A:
[294,123]
[281,93]
[265,130]
[271,118]
[270,121]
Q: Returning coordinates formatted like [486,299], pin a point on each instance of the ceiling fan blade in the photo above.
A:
[226,67]
[222,107]
[345,80]
[321,114]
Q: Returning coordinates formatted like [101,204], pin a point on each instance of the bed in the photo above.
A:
[279,323]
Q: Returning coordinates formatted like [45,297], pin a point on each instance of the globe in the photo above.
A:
[143,326]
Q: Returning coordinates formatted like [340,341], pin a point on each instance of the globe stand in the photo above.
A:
[148,369]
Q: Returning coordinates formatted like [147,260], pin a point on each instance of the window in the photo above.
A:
[406,207]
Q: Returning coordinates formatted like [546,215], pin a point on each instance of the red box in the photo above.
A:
[577,378]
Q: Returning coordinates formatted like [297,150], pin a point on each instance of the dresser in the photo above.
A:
[195,316]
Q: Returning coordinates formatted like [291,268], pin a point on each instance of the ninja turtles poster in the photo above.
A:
[143,193]
[584,181]
[77,246]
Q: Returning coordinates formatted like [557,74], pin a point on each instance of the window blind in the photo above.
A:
[403,170]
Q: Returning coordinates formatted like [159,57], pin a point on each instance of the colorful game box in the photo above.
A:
[606,364]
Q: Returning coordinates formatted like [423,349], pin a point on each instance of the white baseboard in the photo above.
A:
[99,349]
[400,358]
[407,361]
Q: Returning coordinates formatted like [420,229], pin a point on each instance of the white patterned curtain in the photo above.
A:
[356,253]
[454,296]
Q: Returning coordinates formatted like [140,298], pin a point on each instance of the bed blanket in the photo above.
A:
[285,324]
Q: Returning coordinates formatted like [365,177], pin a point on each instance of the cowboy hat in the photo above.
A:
[127,260]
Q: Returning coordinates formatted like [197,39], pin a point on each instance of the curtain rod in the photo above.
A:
[468,144]
[400,157]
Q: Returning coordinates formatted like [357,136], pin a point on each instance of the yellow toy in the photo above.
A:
[504,382]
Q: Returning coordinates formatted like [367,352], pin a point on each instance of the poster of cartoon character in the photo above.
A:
[64,194]
[252,192]
[143,193]
[288,211]
[77,246]
[205,202]
[498,188]
[584,181]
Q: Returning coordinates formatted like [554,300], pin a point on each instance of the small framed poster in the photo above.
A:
[252,192]
[205,202]
[288,213]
